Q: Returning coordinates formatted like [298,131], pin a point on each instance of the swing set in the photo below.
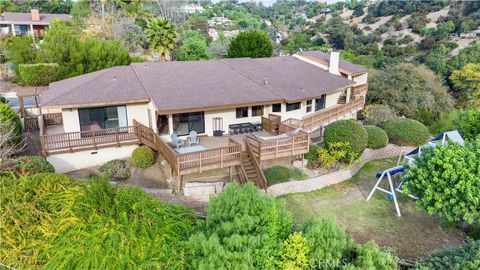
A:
[395,174]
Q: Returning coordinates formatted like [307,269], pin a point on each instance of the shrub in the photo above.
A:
[38,74]
[446,122]
[244,229]
[297,174]
[445,180]
[9,116]
[469,123]
[68,223]
[465,257]
[277,174]
[115,169]
[377,137]
[142,157]
[349,132]
[312,154]
[377,114]
[294,254]
[252,43]
[404,131]
[33,164]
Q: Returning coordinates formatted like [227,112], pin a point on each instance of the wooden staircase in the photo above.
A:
[250,169]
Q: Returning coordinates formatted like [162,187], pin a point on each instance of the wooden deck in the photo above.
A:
[324,117]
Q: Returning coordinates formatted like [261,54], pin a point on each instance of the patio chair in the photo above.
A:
[176,141]
[193,138]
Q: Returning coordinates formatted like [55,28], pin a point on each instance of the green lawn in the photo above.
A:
[413,235]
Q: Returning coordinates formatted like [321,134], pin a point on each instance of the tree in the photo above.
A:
[9,117]
[100,54]
[161,36]
[20,50]
[62,45]
[7,6]
[38,74]
[467,81]
[251,43]
[446,180]
[468,123]
[194,47]
[411,91]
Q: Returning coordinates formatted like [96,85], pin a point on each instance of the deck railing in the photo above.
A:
[86,140]
[272,149]
[199,161]
[52,119]
[326,116]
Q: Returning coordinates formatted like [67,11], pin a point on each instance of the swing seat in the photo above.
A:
[392,172]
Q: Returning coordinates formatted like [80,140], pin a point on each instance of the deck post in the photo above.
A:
[230,173]
[116,137]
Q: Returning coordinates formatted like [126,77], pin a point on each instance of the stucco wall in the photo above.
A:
[71,121]
[84,159]
[138,112]
[361,79]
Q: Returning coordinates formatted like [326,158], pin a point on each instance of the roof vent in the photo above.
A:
[35,15]
[265,81]
[145,65]
[114,78]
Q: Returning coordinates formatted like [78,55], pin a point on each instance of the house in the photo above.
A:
[192,8]
[219,21]
[33,23]
[103,115]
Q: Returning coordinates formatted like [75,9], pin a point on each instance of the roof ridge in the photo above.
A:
[246,76]
[143,85]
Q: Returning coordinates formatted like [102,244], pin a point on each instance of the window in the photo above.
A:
[257,110]
[309,106]
[293,106]
[242,112]
[320,102]
[183,123]
[162,124]
[93,119]
[277,107]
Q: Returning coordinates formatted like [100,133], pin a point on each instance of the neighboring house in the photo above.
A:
[192,8]
[219,21]
[33,23]
[148,102]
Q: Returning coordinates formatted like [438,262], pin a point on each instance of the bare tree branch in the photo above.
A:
[8,147]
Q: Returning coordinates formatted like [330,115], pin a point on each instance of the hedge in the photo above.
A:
[404,131]
[142,157]
[377,137]
[38,74]
[9,115]
[347,131]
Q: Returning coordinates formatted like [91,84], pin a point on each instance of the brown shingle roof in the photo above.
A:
[325,59]
[109,86]
[183,86]
[45,18]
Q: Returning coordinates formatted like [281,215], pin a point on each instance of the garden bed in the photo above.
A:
[414,235]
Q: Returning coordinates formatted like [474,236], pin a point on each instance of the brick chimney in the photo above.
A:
[35,15]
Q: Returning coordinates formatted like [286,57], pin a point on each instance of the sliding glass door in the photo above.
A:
[183,123]
[94,119]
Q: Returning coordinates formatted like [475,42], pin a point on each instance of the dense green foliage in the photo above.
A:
[294,253]
[350,132]
[469,123]
[377,137]
[161,36]
[447,121]
[90,225]
[142,157]
[446,179]
[243,230]
[20,50]
[404,131]
[9,116]
[194,47]
[467,82]
[115,169]
[411,91]
[377,114]
[465,257]
[38,74]
[27,165]
[279,174]
[250,44]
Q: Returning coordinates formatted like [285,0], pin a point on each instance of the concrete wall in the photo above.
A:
[84,159]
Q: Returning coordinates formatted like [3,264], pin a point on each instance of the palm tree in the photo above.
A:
[161,36]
